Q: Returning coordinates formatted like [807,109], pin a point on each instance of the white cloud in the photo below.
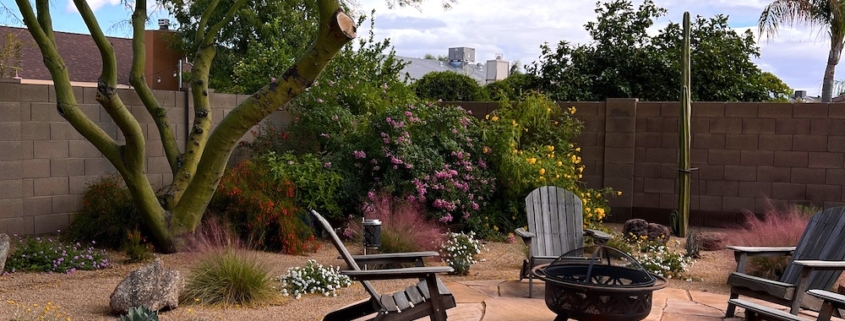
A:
[94,4]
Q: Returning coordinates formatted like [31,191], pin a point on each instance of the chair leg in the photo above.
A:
[729,313]
[530,285]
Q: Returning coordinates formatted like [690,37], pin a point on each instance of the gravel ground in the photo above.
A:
[84,295]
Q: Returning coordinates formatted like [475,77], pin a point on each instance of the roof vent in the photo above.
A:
[163,24]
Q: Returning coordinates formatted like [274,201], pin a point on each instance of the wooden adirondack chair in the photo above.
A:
[429,297]
[555,226]
[816,263]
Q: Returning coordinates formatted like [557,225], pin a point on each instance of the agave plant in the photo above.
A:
[140,313]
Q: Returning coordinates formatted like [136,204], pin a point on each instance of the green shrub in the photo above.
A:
[449,86]
[261,209]
[36,254]
[317,183]
[532,145]
[313,278]
[229,277]
[107,214]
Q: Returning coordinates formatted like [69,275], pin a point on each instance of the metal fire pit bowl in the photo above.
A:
[598,283]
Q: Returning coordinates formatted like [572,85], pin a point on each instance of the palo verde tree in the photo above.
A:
[199,165]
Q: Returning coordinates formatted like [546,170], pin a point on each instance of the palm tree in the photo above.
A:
[827,14]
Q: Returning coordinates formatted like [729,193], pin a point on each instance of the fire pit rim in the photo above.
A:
[660,283]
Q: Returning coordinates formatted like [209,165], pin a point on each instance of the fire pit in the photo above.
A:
[598,283]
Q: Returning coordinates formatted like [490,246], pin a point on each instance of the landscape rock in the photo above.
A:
[4,250]
[634,229]
[152,286]
[657,232]
[711,241]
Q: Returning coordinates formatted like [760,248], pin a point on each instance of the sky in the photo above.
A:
[516,29]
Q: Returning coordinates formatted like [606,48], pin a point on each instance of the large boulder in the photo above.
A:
[152,286]
[711,241]
[4,250]
[635,229]
[657,232]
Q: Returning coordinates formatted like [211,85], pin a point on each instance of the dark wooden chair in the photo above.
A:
[831,302]
[815,263]
[555,226]
[429,297]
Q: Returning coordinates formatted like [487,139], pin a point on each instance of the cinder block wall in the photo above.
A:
[45,165]
[747,155]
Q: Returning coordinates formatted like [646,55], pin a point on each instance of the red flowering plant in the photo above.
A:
[262,209]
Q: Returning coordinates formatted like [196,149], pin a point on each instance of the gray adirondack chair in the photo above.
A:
[429,297]
[815,263]
[555,226]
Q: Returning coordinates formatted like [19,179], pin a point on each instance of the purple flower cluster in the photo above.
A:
[47,255]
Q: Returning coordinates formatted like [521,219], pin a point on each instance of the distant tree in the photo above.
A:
[777,89]
[623,60]
[824,14]
[513,88]
[448,86]
[10,56]
[433,57]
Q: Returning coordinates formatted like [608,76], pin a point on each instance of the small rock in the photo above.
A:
[152,286]
[4,250]
[634,229]
[711,241]
[657,232]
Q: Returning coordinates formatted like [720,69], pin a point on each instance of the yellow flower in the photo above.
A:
[515,151]
[578,149]
[572,110]
[487,116]
[548,110]
[532,160]
[587,209]
[542,171]
[619,193]
[495,228]
[550,148]
[495,118]
[513,121]
[581,169]
[559,163]
[485,150]
[557,175]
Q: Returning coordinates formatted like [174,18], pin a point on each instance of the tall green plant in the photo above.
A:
[10,56]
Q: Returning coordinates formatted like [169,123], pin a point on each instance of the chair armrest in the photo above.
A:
[524,234]
[835,298]
[392,274]
[821,265]
[742,253]
[599,236]
[394,258]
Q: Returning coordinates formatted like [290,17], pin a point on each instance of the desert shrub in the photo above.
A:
[774,228]
[460,251]
[531,142]
[137,248]
[229,276]
[313,278]
[261,209]
[404,227]
[108,213]
[36,254]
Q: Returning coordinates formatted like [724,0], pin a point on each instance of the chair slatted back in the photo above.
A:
[823,239]
[344,253]
[555,217]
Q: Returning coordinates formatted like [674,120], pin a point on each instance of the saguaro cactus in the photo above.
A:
[684,169]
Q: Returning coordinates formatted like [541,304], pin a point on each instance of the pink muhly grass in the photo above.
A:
[404,226]
[212,236]
[775,228]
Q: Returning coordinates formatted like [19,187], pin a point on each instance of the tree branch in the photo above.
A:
[45,20]
[212,33]
[136,78]
[204,21]
[336,29]
[66,106]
